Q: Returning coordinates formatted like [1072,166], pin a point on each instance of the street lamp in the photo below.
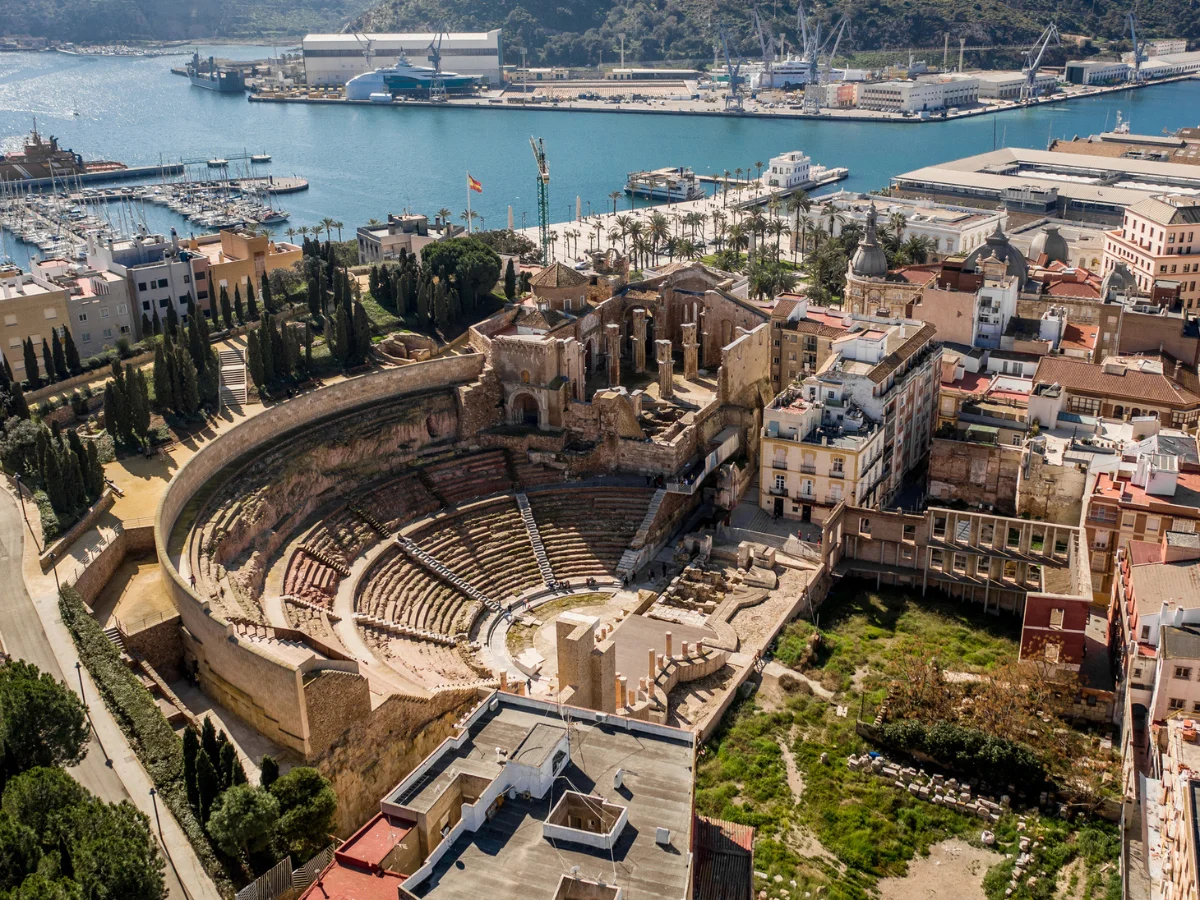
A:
[154,800]
[20,502]
[622,37]
[88,712]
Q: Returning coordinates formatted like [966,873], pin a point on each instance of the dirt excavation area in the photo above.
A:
[953,870]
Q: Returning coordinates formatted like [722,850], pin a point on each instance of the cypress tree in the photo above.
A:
[210,381]
[208,740]
[48,362]
[424,302]
[341,337]
[76,446]
[510,281]
[251,303]
[53,481]
[58,353]
[237,306]
[190,400]
[175,377]
[308,339]
[72,476]
[5,378]
[195,343]
[147,328]
[110,410]
[191,752]
[139,402]
[266,349]
[208,786]
[172,319]
[362,334]
[157,323]
[17,404]
[373,281]
[254,360]
[265,290]
[226,310]
[163,399]
[95,471]
[314,295]
[32,376]
[269,772]
[205,331]
[225,765]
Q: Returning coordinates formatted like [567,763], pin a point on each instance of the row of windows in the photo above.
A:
[394,53]
[122,310]
[86,337]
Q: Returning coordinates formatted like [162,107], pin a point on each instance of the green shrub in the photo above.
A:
[51,527]
[151,736]
[967,750]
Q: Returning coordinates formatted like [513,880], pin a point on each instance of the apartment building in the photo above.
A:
[802,337]
[410,233]
[1153,488]
[816,455]
[786,172]
[879,383]
[99,309]
[30,308]
[1067,390]
[1159,240]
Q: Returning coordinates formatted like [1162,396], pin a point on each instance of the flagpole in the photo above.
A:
[468,203]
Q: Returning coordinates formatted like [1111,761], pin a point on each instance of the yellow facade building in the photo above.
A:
[30,307]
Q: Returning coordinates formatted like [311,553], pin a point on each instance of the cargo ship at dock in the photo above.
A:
[215,78]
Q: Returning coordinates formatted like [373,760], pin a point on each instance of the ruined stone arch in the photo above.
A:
[527,407]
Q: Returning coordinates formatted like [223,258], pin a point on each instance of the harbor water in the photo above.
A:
[363,162]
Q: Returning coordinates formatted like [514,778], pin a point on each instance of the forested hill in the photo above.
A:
[124,20]
[584,32]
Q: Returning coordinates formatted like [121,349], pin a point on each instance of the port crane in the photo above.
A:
[733,100]
[368,48]
[543,195]
[767,43]
[1139,47]
[1034,62]
[437,86]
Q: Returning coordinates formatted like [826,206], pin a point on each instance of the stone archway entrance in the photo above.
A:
[525,411]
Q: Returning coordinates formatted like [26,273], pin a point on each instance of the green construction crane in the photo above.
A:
[543,192]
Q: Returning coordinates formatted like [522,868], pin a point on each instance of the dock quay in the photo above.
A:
[158,171]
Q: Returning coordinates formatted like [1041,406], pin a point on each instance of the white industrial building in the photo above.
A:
[333,59]
[1171,64]
[1096,71]
[925,94]
[1007,85]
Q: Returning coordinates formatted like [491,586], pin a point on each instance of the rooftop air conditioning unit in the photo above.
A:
[662,837]
[618,779]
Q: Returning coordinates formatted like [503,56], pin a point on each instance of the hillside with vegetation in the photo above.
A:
[586,32]
[132,20]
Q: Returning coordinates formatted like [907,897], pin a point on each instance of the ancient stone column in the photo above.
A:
[691,361]
[579,361]
[651,665]
[621,682]
[612,335]
[668,654]
[639,341]
[665,365]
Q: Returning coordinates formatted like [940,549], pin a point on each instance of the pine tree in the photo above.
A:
[191,753]
[48,362]
[251,302]
[362,334]
[237,306]
[58,353]
[31,364]
[254,360]
[95,471]
[226,310]
[208,786]
[510,281]
[265,290]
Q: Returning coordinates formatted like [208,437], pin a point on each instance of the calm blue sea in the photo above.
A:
[367,162]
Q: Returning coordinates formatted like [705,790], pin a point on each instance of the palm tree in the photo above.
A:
[759,167]
[373,222]
[778,227]
[327,224]
[291,233]
[898,222]
[339,226]
[614,235]
[737,238]
[802,227]
[738,173]
[917,249]
[623,223]
[302,231]
[469,216]
[641,247]
[614,196]
[660,229]
[445,215]
[725,186]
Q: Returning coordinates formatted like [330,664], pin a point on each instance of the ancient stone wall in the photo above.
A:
[93,577]
[333,702]
[373,755]
[160,644]
[980,475]
[745,376]
[1051,493]
[262,690]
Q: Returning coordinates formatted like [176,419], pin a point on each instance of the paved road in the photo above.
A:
[24,636]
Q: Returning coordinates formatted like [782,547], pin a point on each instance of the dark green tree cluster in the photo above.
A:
[292,813]
[59,359]
[277,352]
[56,462]
[12,396]
[187,374]
[57,841]
[446,289]
[127,405]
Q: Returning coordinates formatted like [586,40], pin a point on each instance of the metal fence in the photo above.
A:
[283,882]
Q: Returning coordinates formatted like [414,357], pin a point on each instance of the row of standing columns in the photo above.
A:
[655,663]
[662,350]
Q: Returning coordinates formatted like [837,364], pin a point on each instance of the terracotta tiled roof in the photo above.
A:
[1080,337]
[921,274]
[1083,291]
[1089,378]
[1167,214]
[893,361]
[539,318]
[557,276]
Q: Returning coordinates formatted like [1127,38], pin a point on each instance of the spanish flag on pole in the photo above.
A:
[474,185]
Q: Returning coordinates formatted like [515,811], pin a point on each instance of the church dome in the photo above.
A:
[869,260]
[998,245]
[1050,244]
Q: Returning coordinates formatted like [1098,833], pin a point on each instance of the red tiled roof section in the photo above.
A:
[340,882]
[921,274]
[723,865]
[557,276]
[1090,378]
[893,361]
[1080,337]
[1143,552]
[1072,289]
